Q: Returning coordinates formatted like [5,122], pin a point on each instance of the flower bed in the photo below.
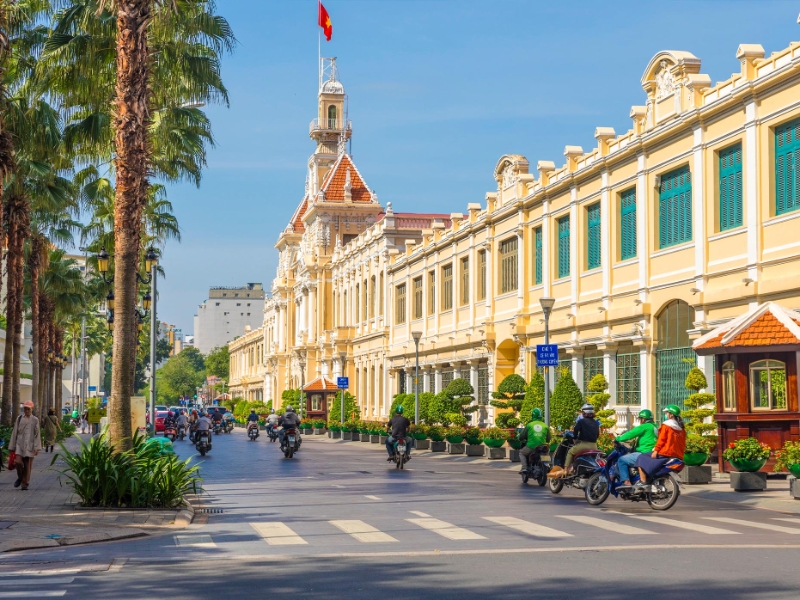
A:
[494,437]
[788,458]
[474,436]
[747,455]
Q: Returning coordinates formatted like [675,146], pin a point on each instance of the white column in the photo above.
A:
[473,279]
[610,371]
[437,379]
[279,310]
[521,262]
[457,370]
[698,208]
[573,248]
[750,199]
[409,381]
[490,287]
[642,228]
[426,380]
[547,250]
[312,314]
[605,238]
[645,379]
[577,369]
[473,381]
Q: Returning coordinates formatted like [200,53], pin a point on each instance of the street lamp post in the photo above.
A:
[151,262]
[343,357]
[416,335]
[547,307]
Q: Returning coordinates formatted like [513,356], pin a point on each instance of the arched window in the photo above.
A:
[768,385]
[331,117]
[729,386]
[674,322]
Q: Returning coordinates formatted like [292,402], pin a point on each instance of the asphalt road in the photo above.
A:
[338,521]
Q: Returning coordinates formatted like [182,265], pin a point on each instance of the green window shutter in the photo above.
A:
[675,207]
[787,165]
[563,247]
[538,258]
[628,223]
[594,239]
[730,188]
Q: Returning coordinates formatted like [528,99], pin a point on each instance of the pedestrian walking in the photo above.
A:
[51,429]
[26,442]
[84,421]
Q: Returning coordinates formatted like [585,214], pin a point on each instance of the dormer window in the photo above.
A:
[332,117]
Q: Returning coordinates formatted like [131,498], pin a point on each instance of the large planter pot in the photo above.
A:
[474,441]
[347,436]
[748,466]
[515,444]
[437,438]
[494,443]
[795,470]
[420,436]
[455,439]
[695,459]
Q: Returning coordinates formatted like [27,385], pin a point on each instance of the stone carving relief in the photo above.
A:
[510,175]
[665,82]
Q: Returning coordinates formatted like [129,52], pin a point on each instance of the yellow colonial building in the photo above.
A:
[645,242]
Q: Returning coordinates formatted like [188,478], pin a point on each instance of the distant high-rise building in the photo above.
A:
[225,314]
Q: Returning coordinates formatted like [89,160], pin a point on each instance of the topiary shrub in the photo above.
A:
[508,397]
[696,415]
[534,397]
[460,393]
[599,398]
[351,410]
[566,401]
[438,407]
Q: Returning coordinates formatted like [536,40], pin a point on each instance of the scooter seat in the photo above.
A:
[588,452]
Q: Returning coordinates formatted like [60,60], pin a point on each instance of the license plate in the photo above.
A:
[401,447]
[545,458]
[291,438]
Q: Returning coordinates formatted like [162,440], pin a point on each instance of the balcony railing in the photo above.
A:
[329,125]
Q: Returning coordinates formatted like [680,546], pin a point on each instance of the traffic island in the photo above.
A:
[475,449]
[748,482]
[455,448]
[438,446]
[695,475]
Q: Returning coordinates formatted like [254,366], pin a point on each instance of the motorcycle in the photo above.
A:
[181,432]
[400,457]
[585,465]
[660,494]
[202,442]
[291,442]
[170,433]
[227,426]
[272,431]
[217,427]
[538,466]
[252,431]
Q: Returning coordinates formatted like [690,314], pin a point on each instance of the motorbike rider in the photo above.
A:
[182,420]
[252,419]
[535,434]
[586,431]
[216,416]
[288,420]
[671,443]
[193,418]
[169,421]
[645,435]
[399,426]
[272,420]
[204,424]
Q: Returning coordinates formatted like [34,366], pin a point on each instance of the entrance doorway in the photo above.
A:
[674,356]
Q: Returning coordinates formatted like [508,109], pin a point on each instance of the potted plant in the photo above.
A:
[508,397]
[419,432]
[474,436]
[306,425]
[436,433]
[605,443]
[747,455]
[319,423]
[788,458]
[513,438]
[494,437]
[383,432]
[698,449]
[454,434]
[334,426]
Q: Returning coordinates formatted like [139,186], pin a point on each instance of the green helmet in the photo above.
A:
[672,408]
[645,414]
[399,410]
[536,414]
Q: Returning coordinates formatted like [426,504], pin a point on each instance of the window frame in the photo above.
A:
[538,262]
[630,362]
[481,292]
[754,367]
[675,225]
[728,373]
[418,304]
[400,304]
[563,241]
[463,264]
[509,265]
[594,237]
[431,292]
[787,148]
[627,224]
[447,287]
[730,205]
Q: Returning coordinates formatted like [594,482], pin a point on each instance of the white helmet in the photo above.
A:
[587,408]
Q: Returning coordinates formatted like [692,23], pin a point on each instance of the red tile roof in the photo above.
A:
[767,325]
[297,217]
[320,384]
[335,179]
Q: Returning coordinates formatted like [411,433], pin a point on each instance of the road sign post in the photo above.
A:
[547,356]
[342,383]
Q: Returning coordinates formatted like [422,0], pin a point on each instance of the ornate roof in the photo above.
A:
[296,222]
[320,384]
[768,324]
[343,172]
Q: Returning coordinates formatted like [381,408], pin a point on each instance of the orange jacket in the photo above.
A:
[671,440]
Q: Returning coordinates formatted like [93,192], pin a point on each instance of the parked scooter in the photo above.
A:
[291,442]
[585,465]
[202,442]
[252,431]
[538,466]
[661,493]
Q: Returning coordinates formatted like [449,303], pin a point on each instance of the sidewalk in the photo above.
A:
[776,497]
[46,515]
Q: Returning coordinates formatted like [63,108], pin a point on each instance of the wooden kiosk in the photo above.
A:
[756,365]
[319,396]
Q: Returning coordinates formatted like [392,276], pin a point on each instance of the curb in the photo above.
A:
[185,517]
[18,545]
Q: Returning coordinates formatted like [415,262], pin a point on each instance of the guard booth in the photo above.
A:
[319,396]
[756,359]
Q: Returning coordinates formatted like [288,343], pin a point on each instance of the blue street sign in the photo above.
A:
[92,388]
[342,383]
[547,355]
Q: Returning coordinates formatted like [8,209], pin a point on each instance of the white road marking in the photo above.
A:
[34,594]
[363,532]
[528,527]
[445,529]
[277,534]
[419,513]
[768,526]
[372,497]
[685,525]
[38,581]
[788,520]
[608,525]
[194,541]
[40,573]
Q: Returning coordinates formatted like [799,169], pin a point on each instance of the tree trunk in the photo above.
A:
[58,398]
[22,215]
[34,266]
[11,301]
[131,119]
[43,365]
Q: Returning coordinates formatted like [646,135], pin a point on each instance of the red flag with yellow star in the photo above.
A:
[325,22]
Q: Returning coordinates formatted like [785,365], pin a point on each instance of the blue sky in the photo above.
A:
[438,91]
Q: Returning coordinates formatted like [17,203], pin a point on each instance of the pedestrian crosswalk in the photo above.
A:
[34,583]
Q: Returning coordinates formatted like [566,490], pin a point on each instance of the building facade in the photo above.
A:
[226,313]
[646,242]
